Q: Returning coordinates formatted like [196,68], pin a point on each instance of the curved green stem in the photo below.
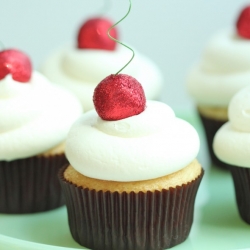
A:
[112,38]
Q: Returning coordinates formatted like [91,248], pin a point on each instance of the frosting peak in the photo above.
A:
[148,122]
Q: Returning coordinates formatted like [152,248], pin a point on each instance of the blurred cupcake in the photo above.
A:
[232,146]
[35,117]
[133,177]
[79,67]
[223,70]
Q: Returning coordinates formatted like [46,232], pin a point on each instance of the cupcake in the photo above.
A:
[35,117]
[79,67]
[223,70]
[132,176]
[232,146]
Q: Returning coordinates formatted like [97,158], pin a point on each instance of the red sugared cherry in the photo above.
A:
[243,23]
[93,35]
[119,96]
[16,63]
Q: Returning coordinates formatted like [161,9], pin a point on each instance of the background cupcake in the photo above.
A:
[223,70]
[80,66]
[126,180]
[35,117]
[232,146]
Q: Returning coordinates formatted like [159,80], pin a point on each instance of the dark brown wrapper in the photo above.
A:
[241,179]
[211,126]
[130,221]
[31,185]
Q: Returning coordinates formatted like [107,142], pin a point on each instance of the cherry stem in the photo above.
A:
[112,38]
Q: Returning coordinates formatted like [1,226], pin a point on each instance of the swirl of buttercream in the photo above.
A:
[134,126]
[224,69]
[34,116]
[81,70]
[152,144]
[232,141]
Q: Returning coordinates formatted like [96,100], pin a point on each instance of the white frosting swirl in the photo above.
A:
[81,70]
[224,69]
[34,116]
[232,140]
[145,146]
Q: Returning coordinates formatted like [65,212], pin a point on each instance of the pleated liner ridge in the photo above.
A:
[241,179]
[31,185]
[130,221]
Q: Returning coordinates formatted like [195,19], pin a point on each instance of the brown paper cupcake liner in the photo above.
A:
[211,126]
[241,179]
[31,185]
[130,221]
